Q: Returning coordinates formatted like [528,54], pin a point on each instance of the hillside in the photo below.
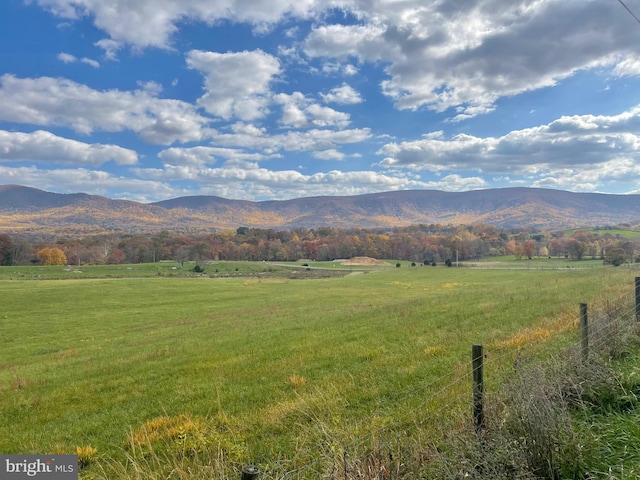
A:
[35,212]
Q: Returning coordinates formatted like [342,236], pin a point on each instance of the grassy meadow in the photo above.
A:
[269,369]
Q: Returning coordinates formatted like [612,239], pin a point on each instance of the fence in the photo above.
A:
[596,329]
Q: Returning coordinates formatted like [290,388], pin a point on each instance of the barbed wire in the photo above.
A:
[602,329]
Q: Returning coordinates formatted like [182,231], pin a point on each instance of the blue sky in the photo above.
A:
[277,99]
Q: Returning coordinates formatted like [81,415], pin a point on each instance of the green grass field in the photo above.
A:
[270,368]
[509,261]
[608,231]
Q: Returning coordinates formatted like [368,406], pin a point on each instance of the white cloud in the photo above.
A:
[66,57]
[110,47]
[457,183]
[41,146]
[337,68]
[201,156]
[152,23]
[76,180]
[364,42]
[299,111]
[237,85]
[442,55]
[576,150]
[612,171]
[628,66]
[343,95]
[331,154]
[438,55]
[55,101]
[250,182]
[90,62]
[251,137]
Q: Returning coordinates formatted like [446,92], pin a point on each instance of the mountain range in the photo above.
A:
[33,212]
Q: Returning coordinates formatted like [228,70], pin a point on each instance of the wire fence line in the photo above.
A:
[438,406]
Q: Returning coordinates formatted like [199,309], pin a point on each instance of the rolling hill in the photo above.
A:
[29,211]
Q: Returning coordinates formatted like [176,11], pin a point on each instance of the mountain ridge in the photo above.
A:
[31,211]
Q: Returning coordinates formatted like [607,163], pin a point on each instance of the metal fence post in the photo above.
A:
[477,362]
[638,299]
[584,331]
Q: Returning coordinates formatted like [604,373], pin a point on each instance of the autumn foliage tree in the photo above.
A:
[52,256]
[6,245]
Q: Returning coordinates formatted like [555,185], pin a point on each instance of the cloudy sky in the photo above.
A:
[277,99]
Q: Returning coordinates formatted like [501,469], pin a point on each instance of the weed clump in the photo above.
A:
[536,426]
[86,455]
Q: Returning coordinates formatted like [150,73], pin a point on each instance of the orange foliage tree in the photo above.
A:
[52,256]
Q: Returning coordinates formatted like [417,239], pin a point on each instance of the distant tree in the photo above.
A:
[182,255]
[52,256]
[615,256]
[6,245]
[448,262]
[21,252]
[529,248]
[576,249]
[116,256]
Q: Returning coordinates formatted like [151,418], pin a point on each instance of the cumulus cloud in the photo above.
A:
[90,62]
[442,55]
[343,95]
[301,112]
[581,149]
[438,55]
[249,182]
[331,154]
[41,146]
[256,138]
[364,42]
[455,57]
[77,179]
[56,101]
[110,47]
[152,23]
[237,85]
[68,58]
[201,156]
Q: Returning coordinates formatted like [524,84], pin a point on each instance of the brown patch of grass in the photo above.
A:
[18,383]
[297,381]
[164,428]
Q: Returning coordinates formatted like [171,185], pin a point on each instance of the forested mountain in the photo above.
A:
[35,212]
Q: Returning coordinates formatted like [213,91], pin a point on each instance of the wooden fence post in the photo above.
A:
[584,331]
[477,362]
[638,299]
[250,472]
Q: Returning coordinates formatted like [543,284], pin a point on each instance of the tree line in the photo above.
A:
[418,243]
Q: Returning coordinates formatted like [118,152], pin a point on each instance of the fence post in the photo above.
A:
[477,362]
[250,472]
[584,331]
[638,299]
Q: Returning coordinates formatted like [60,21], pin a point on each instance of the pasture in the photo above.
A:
[269,369]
